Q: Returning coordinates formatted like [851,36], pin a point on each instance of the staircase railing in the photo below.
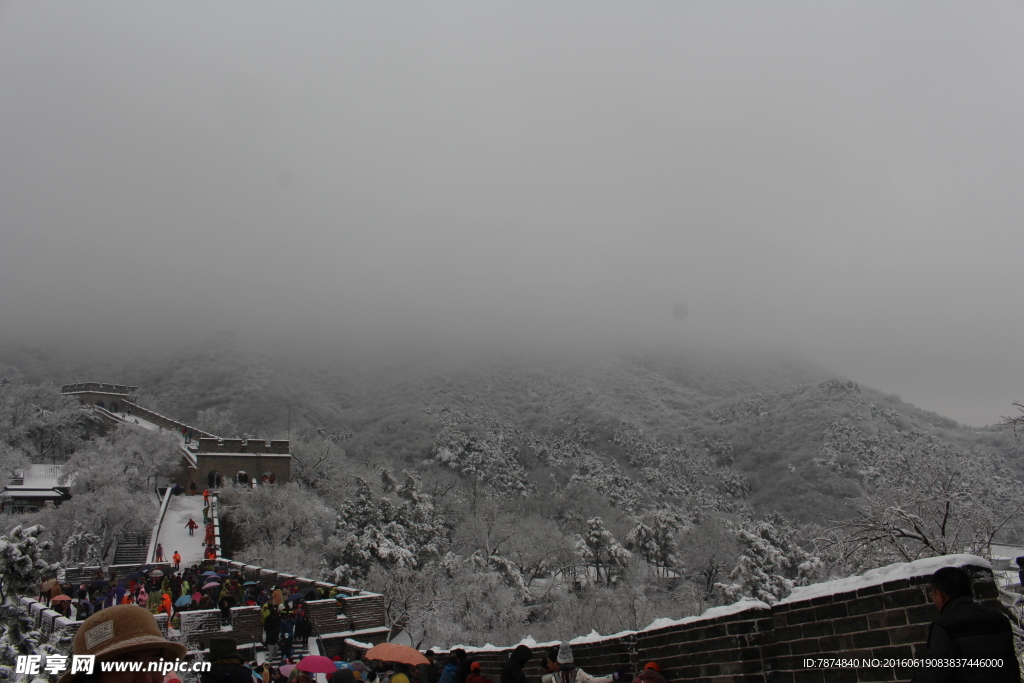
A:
[151,553]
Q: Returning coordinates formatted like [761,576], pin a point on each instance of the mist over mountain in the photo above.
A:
[740,431]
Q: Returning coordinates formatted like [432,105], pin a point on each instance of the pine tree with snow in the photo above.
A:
[22,569]
[771,562]
[653,538]
[601,550]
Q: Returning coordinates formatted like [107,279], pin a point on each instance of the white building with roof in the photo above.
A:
[38,486]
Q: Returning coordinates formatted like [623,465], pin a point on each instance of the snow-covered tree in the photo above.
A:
[22,569]
[41,422]
[600,549]
[219,421]
[653,538]
[371,531]
[919,499]
[81,546]
[771,562]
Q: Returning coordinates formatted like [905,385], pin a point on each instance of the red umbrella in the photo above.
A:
[318,664]
[60,598]
[393,652]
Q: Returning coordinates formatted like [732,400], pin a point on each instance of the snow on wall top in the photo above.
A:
[892,572]
[874,577]
[713,613]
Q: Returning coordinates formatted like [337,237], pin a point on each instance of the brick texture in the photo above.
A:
[764,645]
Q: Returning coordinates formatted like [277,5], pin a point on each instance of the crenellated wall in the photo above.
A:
[882,614]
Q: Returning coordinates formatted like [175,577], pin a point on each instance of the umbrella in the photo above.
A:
[393,652]
[295,596]
[48,584]
[212,584]
[318,664]
[134,576]
[99,583]
[357,666]
[156,573]
[183,600]
[287,669]
[250,583]
[209,574]
[289,582]
[60,598]
[342,665]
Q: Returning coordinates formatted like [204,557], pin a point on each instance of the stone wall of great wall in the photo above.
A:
[755,643]
[358,614]
[165,422]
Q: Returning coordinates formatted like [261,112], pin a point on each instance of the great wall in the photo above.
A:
[876,620]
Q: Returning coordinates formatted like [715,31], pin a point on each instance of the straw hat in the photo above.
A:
[119,630]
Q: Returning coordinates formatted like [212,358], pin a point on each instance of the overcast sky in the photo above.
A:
[840,180]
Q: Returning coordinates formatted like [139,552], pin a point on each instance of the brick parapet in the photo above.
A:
[769,644]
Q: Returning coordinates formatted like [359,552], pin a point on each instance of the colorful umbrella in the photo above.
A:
[212,584]
[156,573]
[183,600]
[287,669]
[319,664]
[60,598]
[250,583]
[357,666]
[393,652]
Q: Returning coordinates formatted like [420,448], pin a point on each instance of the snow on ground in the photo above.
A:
[173,534]
[892,572]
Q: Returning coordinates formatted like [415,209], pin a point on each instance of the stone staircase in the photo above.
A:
[132,549]
[298,652]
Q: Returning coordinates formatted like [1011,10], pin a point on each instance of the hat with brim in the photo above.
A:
[119,630]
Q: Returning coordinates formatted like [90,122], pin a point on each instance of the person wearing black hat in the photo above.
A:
[226,665]
[512,672]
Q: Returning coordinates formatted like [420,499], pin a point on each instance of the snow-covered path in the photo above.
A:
[173,534]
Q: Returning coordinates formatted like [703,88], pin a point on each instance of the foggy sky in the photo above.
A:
[839,180]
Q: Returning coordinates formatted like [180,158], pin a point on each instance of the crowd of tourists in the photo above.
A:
[457,667]
[208,585]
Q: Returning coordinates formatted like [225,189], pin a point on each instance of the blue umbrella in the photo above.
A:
[183,600]
[295,596]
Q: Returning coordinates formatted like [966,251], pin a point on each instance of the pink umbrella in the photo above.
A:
[212,584]
[287,669]
[317,664]
[60,598]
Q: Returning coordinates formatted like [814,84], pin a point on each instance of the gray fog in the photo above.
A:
[837,180]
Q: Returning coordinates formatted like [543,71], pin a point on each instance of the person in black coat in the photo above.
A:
[272,629]
[965,629]
[427,673]
[512,672]
[462,668]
